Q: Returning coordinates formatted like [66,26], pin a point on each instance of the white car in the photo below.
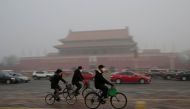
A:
[41,74]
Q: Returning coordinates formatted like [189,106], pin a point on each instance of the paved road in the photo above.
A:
[160,94]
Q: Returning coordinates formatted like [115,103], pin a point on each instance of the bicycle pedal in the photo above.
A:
[103,102]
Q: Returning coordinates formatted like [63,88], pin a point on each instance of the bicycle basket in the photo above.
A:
[69,86]
[112,91]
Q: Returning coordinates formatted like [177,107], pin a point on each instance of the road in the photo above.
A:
[160,94]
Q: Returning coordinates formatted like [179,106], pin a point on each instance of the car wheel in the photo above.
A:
[184,78]
[168,77]
[118,81]
[142,81]
[47,77]
[8,81]
[35,77]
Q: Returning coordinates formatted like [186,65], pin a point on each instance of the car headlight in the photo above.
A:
[12,78]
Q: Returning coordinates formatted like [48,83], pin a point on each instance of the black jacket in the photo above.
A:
[100,80]
[77,77]
[55,81]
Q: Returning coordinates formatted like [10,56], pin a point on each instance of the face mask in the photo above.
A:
[103,69]
[60,74]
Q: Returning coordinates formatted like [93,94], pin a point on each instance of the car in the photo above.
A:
[17,79]
[7,78]
[129,77]
[183,76]
[87,75]
[21,77]
[11,72]
[142,71]
[41,74]
[170,74]
[156,73]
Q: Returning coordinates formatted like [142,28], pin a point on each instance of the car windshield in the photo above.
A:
[40,72]
[8,74]
[18,74]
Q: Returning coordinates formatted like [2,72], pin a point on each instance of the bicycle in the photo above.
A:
[67,93]
[86,88]
[118,100]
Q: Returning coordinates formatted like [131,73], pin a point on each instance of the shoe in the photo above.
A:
[58,99]
[102,101]
[76,94]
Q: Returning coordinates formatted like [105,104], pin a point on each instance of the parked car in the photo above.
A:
[155,73]
[142,71]
[87,75]
[129,77]
[184,76]
[170,74]
[7,78]
[21,78]
[11,72]
[41,74]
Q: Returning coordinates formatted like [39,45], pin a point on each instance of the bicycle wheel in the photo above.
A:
[65,93]
[92,100]
[119,101]
[86,91]
[50,99]
[71,99]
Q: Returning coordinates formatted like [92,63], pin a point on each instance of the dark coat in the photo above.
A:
[77,77]
[55,81]
[100,80]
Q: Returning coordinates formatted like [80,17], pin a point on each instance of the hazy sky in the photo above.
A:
[33,27]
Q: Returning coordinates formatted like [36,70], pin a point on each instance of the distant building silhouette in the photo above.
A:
[100,42]
[113,48]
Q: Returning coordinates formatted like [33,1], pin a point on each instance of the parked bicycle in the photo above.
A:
[67,94]
[118,100]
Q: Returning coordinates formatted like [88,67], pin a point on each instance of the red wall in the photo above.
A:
[120,62]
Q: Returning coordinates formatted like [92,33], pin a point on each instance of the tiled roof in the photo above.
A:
[97,35]
[93,45]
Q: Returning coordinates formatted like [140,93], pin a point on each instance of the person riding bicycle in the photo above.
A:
[55,82]
[77,77]
[100,82]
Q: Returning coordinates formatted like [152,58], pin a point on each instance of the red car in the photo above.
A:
[87,75]
[130,77]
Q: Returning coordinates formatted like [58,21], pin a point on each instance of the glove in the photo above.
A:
[112,85]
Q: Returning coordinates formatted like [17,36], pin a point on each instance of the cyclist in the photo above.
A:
[77,77]
[55,83]
[100,82]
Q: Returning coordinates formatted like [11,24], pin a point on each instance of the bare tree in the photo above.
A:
[10,60]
